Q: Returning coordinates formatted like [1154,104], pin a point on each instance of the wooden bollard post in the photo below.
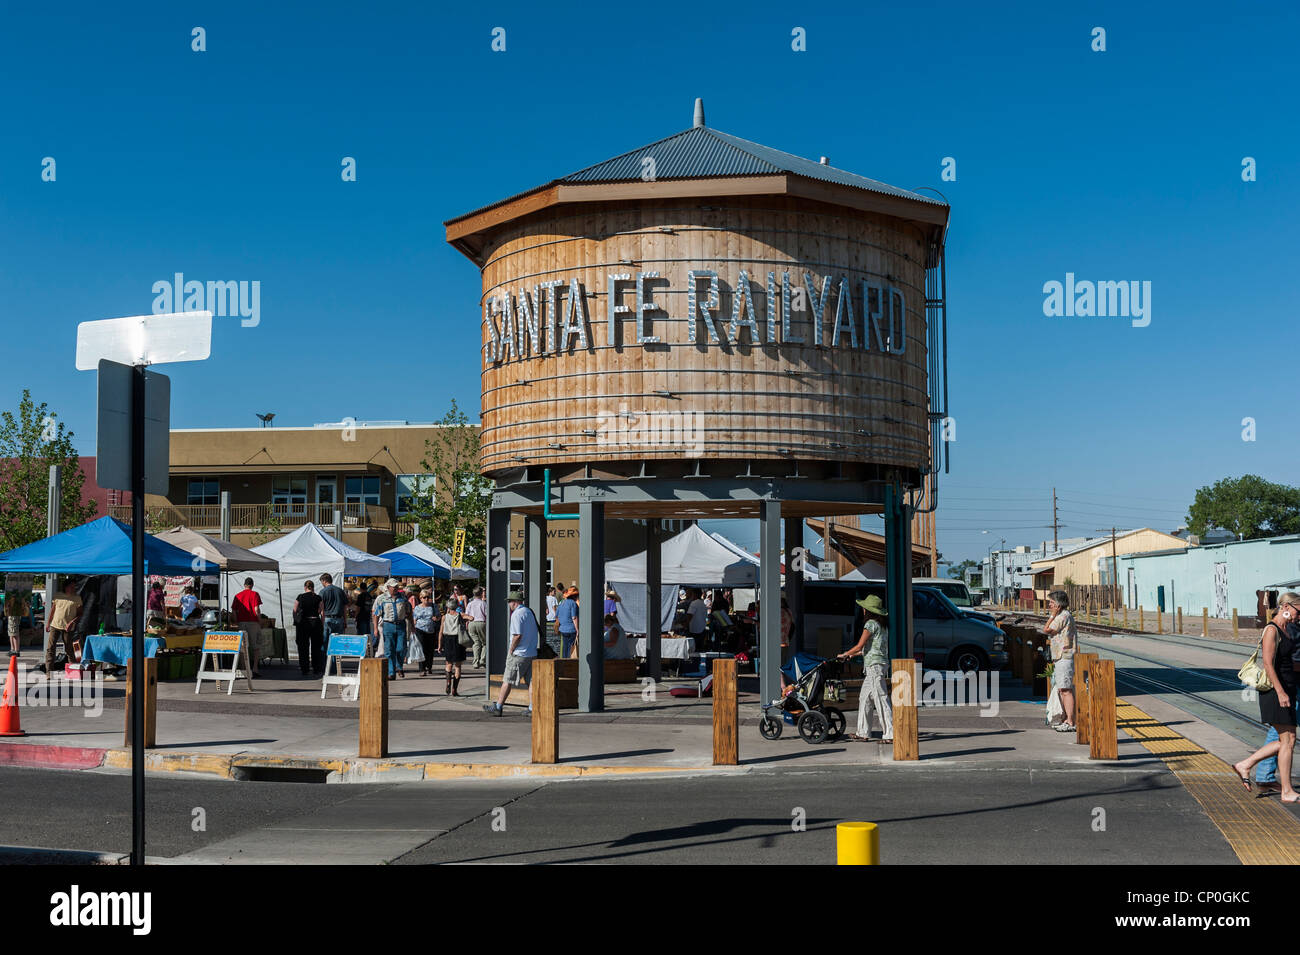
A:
[1103,742]
[726,714]
[1205,621]
[1110,613]
[1180,621]
[1142,618]
[1160,620]
[902,694]
[150,701]
[1082,696]
[546,711]
[374,708]
[1234,623]
[1126,616]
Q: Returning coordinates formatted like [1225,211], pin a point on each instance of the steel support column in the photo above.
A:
[898,571]
[769,599]
[535,566]
[498,586]
[591,610]
[795,559]
[653,610]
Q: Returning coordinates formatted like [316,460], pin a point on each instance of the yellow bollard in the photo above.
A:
[1234,623]
[1205,621]
[1142,618]
[1160,620]
[857,843]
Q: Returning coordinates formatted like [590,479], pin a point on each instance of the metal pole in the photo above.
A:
[653,599]
[53,509]
[498,587]
[591,593]
[769,600]
[794,579]
[225,516]
[137,614]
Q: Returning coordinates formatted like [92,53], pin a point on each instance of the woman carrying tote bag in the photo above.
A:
[453,628]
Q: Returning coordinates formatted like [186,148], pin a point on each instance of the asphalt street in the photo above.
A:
[927,815]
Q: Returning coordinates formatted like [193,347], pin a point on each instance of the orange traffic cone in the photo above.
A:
[10,725]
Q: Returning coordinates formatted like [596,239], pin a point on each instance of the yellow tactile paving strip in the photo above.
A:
[1260,831]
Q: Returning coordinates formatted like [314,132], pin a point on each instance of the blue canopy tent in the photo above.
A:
[408,565]
[102,547]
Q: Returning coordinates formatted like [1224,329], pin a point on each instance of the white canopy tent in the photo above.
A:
[305,554]
[693,558]
[441,558]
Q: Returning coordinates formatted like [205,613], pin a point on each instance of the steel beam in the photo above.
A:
[591,609]
[498,586]
[769,600]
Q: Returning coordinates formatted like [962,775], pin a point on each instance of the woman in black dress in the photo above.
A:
[450,647]
[1277,706]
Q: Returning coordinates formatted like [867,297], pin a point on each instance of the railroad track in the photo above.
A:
[1142,682]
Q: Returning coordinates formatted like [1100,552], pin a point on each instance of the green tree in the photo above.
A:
[1248,506]
[452,493]
[32,440]
[958,571]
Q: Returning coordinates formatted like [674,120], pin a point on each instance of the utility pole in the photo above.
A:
[1055,524]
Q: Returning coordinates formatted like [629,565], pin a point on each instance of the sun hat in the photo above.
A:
[873,604]
[515,595]
[392,582]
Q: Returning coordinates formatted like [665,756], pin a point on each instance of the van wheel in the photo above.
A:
[967,659]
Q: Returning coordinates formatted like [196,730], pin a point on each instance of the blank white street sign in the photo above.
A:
[113,434]
[145,339]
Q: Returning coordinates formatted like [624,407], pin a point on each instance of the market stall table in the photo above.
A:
[116,648]
[670,648]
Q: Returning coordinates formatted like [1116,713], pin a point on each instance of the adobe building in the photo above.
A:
[706,327]
[279,478]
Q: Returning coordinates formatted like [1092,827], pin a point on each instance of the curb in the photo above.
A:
[304,768]
[36,855]
[45,756]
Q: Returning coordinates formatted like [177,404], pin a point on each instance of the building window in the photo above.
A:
[289,495]
[410,485]
[203,492]
[362,490]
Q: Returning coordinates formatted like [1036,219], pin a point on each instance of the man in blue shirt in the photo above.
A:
[566,621]
[519,653]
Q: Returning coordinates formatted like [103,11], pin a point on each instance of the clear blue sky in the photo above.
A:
[1117,165]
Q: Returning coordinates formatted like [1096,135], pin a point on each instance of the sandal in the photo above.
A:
[1244,777]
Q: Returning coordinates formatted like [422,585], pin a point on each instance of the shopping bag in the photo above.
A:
[1055,711]
[1252,674]
[415,652]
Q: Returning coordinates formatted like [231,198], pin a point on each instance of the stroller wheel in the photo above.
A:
[813,727]
[769,727]
[835,717]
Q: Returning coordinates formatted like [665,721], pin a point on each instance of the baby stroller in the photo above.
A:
[804,705]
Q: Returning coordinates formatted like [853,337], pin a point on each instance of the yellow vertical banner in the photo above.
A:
[458,549]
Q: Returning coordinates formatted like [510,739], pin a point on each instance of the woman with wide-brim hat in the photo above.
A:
[873,646]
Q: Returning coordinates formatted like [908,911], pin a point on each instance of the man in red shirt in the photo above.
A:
[247,607]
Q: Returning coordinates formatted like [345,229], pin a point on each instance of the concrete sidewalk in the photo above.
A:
[284,728]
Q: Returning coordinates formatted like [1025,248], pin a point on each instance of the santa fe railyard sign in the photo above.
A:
[552,318]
